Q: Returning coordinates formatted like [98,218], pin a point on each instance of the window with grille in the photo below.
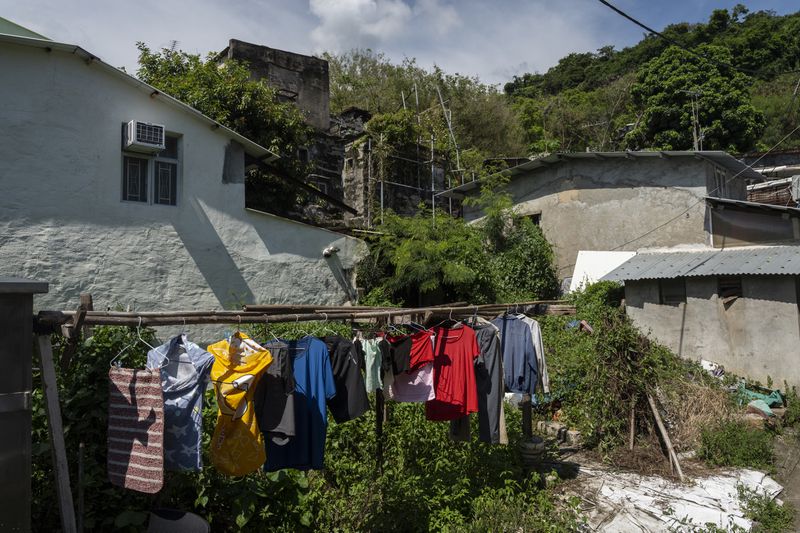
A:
[152,180]
[134,179]
[672,291]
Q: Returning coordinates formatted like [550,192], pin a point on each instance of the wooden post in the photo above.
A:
[16,384]
[632,423]
[525,406]
[87,303]
[671,451]
[379,412]
[56,429]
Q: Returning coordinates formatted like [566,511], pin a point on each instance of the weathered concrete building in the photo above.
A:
[299,78]
[90,205]
[374,181]
[619,200]
[737,307]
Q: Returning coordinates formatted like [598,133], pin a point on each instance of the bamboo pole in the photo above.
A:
[671,451]
[174,318]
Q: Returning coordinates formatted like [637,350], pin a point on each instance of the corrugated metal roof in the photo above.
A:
[719,158]
[729,262]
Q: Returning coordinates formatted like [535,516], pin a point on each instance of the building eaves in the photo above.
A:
[751,206]
[719,158]
[757,260]
[250,146]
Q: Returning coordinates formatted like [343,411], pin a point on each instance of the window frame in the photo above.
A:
[729,289]
[151,169]
[675,298]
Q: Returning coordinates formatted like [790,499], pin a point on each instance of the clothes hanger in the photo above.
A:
[267,330]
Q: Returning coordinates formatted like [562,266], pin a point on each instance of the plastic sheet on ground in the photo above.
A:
[622,502]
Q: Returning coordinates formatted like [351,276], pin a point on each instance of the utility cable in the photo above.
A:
[695,204]
[684,47]
[709,193]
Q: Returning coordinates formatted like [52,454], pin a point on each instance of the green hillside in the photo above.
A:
[742,69]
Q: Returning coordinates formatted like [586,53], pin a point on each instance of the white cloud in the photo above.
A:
[346,24]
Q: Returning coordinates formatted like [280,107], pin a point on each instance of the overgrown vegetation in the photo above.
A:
[427,483]
[768,515]
[736,443]
[226,93]
[589,100]
[433,257]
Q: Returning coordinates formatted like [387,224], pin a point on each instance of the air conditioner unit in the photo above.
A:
[144,137]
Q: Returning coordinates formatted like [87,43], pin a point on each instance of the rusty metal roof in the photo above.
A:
[755,260]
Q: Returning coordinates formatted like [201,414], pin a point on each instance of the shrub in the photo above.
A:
[737,444]
[769,515]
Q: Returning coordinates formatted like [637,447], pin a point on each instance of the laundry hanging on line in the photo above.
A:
[274,396]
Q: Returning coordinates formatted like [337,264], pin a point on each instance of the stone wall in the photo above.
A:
[757,335]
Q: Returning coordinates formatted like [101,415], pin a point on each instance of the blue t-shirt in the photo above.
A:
[183,380]
[314,386]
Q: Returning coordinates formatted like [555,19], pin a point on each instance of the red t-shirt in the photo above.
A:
[417,347]
[454,354]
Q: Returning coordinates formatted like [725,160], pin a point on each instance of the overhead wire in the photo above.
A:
[698,202]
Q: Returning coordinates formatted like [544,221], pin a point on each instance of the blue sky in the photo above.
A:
[490,39]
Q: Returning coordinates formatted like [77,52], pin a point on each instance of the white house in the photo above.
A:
[81,208]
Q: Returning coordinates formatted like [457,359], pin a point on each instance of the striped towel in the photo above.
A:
[135,429]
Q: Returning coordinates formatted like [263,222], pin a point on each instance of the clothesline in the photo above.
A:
[267,314]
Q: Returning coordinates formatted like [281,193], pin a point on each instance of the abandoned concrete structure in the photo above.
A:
[737,307]
[619,200]
[375,181]
[298,78]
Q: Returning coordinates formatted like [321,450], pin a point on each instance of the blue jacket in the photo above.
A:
[520,370]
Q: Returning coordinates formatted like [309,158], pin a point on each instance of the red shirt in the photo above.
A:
[454,352]
[418,347]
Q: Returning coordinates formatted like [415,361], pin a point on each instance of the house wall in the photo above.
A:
[62,220]
[602,204]
[757,335]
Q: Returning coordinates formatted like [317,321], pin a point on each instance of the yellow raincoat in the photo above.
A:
[237,447]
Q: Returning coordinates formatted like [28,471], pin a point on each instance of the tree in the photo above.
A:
[227,94]
[666,87]
[482,117]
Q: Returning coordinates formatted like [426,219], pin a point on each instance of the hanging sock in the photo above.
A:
[237,446]
[135,429]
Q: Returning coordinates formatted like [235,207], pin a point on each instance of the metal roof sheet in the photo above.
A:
[774,260]
[720,158]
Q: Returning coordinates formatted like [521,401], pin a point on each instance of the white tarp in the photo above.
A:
[622,502]
[591,266]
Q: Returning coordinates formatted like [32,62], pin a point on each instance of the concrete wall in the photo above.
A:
[305,76]
[62,220]
[757,335]
[602,204]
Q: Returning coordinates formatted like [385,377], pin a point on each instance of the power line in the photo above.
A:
[684,47]
[709,193]
[679,215]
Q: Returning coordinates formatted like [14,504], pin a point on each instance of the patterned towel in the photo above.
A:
[135,429]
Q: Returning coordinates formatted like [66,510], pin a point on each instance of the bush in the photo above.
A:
[737,444]
[769,515]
